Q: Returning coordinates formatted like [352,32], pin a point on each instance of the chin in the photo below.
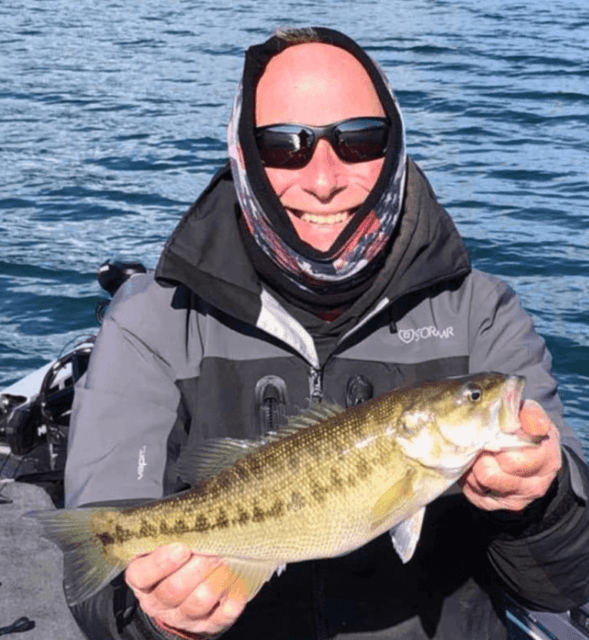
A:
[321,238]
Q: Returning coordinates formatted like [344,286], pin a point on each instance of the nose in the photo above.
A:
[325,175]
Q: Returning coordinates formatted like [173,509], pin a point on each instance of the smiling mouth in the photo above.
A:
[326,219]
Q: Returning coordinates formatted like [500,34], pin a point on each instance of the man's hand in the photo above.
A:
[190,593]
[514,478]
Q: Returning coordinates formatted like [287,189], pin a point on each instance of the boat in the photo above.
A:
[34,419]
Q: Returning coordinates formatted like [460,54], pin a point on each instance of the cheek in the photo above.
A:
[281,179]
[365,174]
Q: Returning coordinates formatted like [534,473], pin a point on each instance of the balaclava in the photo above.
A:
[323,279]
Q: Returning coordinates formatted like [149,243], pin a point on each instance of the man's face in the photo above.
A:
[318,84]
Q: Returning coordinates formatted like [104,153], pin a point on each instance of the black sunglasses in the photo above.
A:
[291,146]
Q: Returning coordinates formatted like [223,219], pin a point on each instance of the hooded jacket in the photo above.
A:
[202,349]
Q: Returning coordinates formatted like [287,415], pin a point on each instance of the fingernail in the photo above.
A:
[177,552]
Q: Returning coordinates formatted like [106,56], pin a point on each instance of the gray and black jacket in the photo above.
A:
[201,349]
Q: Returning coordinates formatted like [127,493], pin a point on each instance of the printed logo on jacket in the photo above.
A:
[425,333]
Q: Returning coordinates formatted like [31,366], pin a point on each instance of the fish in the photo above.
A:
[327,483]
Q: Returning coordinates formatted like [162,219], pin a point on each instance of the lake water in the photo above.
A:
[113,116]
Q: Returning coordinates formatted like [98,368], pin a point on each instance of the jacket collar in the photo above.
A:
[428,249]
[206,253]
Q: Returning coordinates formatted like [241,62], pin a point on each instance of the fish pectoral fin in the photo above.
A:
[252,573]
[392,499]
[405,535]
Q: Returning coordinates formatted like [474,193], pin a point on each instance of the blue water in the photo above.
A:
[113,115]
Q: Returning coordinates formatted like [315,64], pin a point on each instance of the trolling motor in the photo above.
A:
[110,276]
[21,417]
[34,427]
[35,412]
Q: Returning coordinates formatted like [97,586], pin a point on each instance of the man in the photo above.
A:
[298,275]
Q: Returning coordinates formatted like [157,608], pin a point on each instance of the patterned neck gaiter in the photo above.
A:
[372,226]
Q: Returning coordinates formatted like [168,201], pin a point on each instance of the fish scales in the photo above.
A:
[333,481]
[297,483]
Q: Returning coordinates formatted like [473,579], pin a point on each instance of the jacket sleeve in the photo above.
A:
[541,555]
[114,614]
[126,404]
[125,407]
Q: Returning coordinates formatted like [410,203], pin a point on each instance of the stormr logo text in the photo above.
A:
[415,335]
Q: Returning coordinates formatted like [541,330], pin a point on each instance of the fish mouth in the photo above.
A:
[509,416]
[512,397]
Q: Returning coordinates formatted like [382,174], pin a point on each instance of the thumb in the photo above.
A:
[533,419]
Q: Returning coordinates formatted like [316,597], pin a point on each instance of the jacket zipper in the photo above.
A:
[315,384]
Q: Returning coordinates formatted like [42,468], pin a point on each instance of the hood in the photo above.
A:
[206,252]
[349,261]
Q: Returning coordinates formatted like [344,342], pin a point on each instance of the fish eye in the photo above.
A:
[473,392]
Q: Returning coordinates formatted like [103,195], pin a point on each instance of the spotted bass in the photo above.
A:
[326,484]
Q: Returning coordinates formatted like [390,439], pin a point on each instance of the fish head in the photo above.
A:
[445,424]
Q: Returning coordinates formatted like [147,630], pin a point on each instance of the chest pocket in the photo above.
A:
[271,401]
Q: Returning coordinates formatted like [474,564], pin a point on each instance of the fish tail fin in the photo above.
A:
[87,568]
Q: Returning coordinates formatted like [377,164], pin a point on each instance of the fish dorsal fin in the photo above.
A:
[317,412]
[405,535]
[213,456]
[253,574]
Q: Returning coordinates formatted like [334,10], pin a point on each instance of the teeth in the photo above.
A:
[330,218]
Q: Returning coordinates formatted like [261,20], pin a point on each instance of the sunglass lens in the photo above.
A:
[285,146]
[360,142]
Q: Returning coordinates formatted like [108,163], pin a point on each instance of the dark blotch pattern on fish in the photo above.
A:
[297,502]
[164,529]
[318,491]
[201,524]
[258,514]
[242,518]
[362,469]
[122,534]
[105,538]
[147,530]
[277,509]
[222,521]
[181,526]
[335,478]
